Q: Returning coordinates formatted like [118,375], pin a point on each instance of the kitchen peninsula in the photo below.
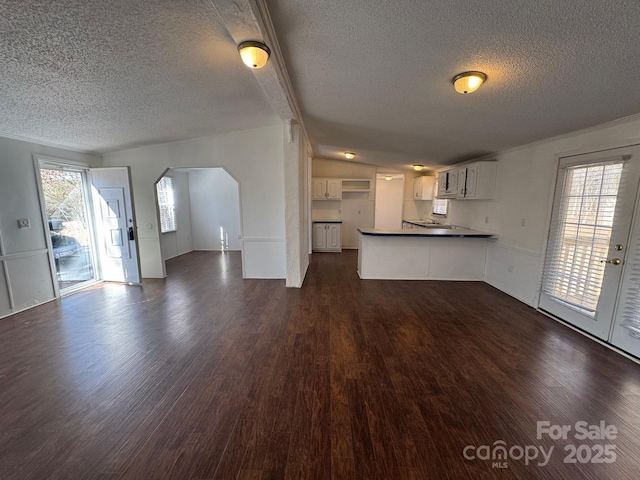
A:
[440,253]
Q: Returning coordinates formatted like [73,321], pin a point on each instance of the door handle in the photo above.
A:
[613,261]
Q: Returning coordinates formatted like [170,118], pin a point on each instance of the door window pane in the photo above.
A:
[581,234]
[68,223]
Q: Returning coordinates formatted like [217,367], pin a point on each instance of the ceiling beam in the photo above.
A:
[250,20]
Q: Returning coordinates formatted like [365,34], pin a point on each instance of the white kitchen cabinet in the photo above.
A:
[475,181]
[327,188]
[423,188]
[479,181]
[327,237]
[448,184]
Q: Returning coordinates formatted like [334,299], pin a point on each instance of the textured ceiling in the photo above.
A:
[375,77]
[105,75]
[371,77]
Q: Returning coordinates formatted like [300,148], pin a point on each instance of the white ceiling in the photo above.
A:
[371,77]
[102,75]
[375,77]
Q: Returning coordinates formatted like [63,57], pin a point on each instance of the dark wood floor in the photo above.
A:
[208,376]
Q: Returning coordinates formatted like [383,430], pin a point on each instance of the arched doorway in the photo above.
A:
[198,210]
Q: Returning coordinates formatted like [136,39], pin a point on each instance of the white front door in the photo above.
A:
[592,215]
[116,228]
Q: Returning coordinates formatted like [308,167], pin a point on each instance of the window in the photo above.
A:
[581,233]
[439,205]
[167,205]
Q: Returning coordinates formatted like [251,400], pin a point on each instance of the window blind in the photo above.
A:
[582,222]
[631,294]
[439,206]
[166,205]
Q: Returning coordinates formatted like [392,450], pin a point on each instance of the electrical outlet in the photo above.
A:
[24,223]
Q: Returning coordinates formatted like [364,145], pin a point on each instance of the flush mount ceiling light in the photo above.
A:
[418,168]
[467,82]
[350,155]
[388,178]
[254,54]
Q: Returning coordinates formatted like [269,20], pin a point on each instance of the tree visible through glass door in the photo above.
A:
[69,226]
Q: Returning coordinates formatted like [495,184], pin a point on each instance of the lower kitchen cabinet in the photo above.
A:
[327,237]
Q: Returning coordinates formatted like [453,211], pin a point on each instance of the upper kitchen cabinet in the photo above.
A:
[423,188]
[448,184]
[327,188]
[475,181]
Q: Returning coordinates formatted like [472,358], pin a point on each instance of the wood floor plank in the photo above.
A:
[205,375]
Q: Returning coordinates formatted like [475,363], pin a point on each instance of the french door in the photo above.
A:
[589,241]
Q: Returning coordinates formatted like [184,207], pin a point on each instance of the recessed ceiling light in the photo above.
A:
[467,82]
[254,54]
[350,155]
[418,168]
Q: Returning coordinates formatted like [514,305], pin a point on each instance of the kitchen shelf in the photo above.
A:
[352,185]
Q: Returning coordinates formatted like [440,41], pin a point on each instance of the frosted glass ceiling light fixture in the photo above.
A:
[467,82]
[350,155]
[254,54]
[388,178]
[418,168]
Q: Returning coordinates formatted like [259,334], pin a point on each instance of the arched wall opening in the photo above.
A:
[205,202]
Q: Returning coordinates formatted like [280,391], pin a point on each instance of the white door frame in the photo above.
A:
[38,161]
[563,154]
[130,215]
[597,148]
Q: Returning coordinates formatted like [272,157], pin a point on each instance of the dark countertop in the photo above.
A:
[426,232]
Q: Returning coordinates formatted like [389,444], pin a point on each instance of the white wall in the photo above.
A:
[523,195]
[297,188]
[26,276]
[215,203]
[179,242]
[253,157]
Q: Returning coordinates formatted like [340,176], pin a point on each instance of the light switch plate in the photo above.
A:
[24,223]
